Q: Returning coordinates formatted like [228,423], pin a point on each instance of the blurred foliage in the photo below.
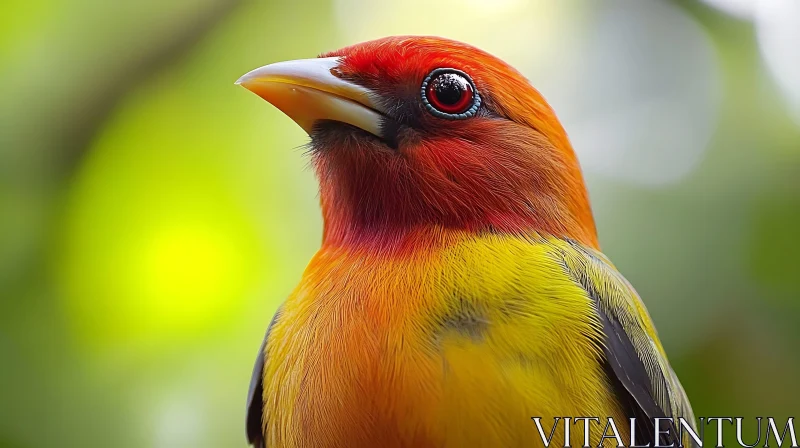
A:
[153,215]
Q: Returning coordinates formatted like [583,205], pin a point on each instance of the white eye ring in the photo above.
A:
[471,100]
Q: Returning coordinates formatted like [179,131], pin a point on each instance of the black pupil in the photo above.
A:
[449,88]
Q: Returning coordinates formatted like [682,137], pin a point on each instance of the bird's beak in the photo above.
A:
[307,91]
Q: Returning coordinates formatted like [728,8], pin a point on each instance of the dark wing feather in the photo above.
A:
[635,361]
[628,368]
[631,382]
[255,402]
[644,425]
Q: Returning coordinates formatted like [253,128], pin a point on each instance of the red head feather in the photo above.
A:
[509,168]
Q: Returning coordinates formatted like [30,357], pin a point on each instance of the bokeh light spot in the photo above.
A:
[186,269]
[158,247]
[778,32]
[742,9]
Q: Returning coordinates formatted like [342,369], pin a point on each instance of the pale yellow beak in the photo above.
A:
[308,92]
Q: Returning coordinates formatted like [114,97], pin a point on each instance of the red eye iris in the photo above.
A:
[450,93]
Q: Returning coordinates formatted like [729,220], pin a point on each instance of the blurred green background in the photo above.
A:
[153,215]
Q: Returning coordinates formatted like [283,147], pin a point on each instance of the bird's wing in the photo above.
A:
[255,403]
[636,362]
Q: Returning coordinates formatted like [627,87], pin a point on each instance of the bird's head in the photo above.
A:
[410,134]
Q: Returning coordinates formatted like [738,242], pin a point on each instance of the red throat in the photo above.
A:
[377,197]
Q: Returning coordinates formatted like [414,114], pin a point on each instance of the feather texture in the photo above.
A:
[631,345]
[459,344]
[254,424]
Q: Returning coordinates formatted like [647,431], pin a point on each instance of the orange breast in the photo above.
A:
[347,367]
[444,348]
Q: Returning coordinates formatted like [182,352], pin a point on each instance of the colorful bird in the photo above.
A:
[459,291]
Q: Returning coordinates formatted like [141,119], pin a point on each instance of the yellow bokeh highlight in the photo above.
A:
[185,271]
[159,245]
[188,263]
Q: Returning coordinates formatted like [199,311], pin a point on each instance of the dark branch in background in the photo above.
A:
[132,74]
[60,101]
[52,108]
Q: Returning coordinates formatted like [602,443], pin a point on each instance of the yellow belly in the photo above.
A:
[451,347]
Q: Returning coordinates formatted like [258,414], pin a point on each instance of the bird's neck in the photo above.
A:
[387,201]
[398,232]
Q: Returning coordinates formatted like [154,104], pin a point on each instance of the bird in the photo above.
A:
[459,291]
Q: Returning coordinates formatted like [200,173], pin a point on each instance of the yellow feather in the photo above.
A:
[458,344]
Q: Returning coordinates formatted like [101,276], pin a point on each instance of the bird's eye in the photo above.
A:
[450,93]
